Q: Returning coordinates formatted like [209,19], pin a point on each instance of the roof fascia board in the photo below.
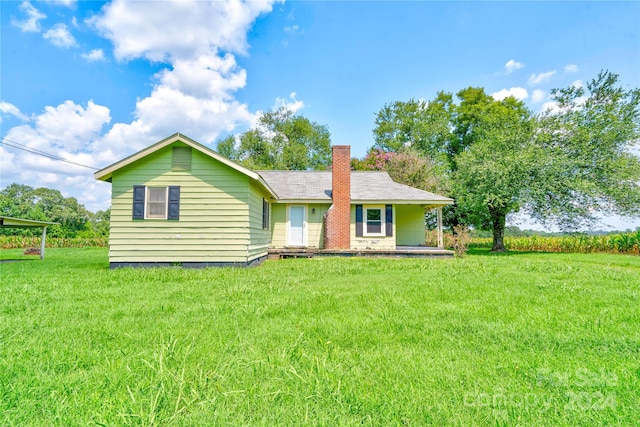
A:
[302,201]
[370,202]
[403,202]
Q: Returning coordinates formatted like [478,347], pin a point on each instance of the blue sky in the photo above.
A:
[96,81]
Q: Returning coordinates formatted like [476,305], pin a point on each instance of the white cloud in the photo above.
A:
[94,55]
[194,93]
[7,108]
[63,2]
[292,104]
[577,84]
[571,68]
[538,95]
[517,92]
[32,21]
[293,29]
[541,77]
[70,131]
[60,36]
[551,107]
[142,29]
[511,66]
[72,125]
[205,76]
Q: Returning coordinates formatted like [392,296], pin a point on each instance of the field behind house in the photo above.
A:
[518,339]
[618,243]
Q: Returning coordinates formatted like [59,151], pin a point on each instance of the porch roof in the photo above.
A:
[7,221]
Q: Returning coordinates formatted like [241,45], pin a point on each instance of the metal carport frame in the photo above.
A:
[6,221]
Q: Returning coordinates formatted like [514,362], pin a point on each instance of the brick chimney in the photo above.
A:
[338,217]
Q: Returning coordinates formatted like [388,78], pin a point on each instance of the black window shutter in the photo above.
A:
[388,215]
[358,220]
[174,202]
[138,201]
[265,214]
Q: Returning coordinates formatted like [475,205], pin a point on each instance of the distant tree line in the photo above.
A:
[45,204]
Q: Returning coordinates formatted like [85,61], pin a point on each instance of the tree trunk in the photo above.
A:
[498,219]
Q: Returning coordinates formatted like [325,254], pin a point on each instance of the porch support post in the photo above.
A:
[440,236]
[44,236]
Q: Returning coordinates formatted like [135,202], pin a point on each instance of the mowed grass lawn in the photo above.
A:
[521,339]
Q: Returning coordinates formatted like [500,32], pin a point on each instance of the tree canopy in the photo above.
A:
[44,204]
[589,140]
[407,167]
[282,140]
[561,167]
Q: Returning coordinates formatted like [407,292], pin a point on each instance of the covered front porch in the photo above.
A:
[410,225]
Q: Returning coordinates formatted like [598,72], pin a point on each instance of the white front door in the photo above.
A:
[296,226]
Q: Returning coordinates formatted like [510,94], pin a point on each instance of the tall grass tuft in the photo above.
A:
[461,240]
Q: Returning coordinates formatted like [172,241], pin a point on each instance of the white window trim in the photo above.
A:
[166,203]
[365,231]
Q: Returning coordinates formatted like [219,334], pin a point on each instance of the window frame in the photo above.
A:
[148,202]
[365,221]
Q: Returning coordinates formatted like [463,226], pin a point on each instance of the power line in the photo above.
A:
[17,145]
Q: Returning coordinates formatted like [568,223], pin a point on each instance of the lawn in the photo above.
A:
[521,339]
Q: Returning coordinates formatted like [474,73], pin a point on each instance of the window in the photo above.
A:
[265,214]
[374,220]
[156,202]
[374,217]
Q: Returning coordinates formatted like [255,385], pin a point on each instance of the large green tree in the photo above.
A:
[495,171]
[415,124]
[282,140]
[588,140]
[562,167]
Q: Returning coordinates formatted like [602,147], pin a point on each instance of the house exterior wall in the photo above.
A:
[214,224]
[372,242]
[278,225]
[259,238]
[409,225]
[314,229]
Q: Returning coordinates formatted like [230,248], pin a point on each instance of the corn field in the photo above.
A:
[23,242]
[625,243]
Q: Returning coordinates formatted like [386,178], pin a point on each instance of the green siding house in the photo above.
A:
[178,202]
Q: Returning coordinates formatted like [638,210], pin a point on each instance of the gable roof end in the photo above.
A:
[107,173]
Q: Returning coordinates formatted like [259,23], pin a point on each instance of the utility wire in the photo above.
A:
[17,145]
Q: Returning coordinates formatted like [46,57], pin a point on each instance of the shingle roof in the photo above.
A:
[365,186]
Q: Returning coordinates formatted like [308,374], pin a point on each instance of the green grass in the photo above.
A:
[517,339]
